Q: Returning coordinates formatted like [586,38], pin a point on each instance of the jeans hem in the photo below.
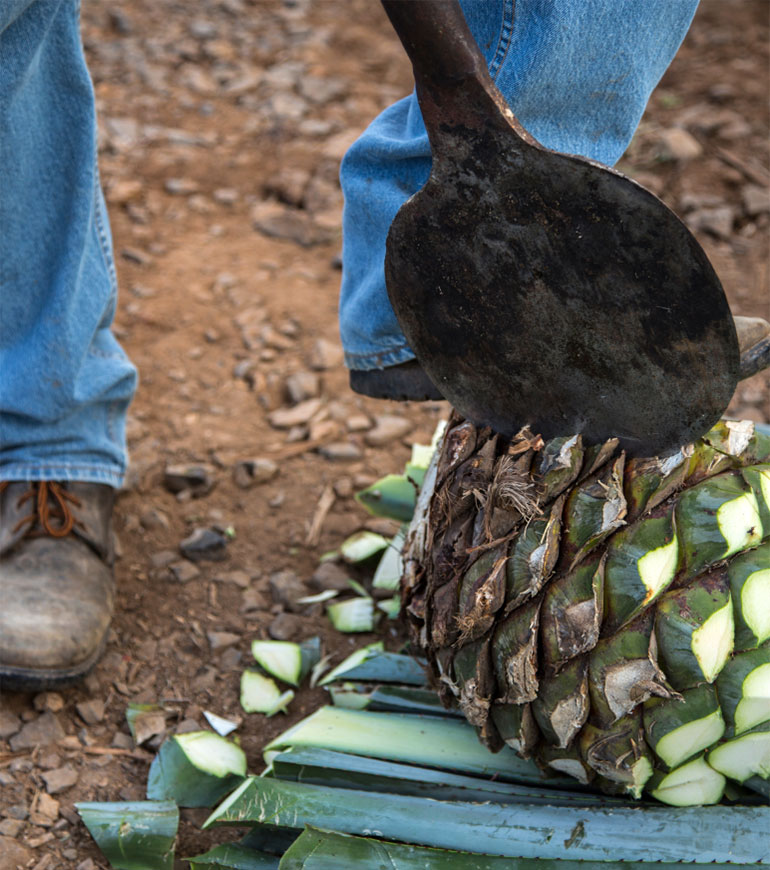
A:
[80,472]
[378,359]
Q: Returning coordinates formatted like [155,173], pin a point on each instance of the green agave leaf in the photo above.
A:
[232,856]
[373,664]
[393,496]
[133,835]
[723,834]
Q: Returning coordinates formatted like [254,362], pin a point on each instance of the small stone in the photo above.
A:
[154,519]
[9,724]
[162,558]
[124,190]
[50,701]
[253,600]
[198,479]
[678,144]
[204,545]
[16,811]
[184,571]
[239,578]
[276,220]
[299,415]
[250,472]
[330,575]
[756,199]
[289,185]
[180,186]
[60,779]
[343,487]
[325,355]
[230,659]
[286,587]
[226,195]
[358,423]
[186,726]
[13,854]
[40,732]
[301,386]
[717,221]
[222,639]
[121,740]
[88,864]
[285,626]
[322,430]
[296,434]
[278,499]
[47,806]
[91,712]
[49,760]
[37,842]
[387,428]
[134,255]
[11,827]
[244,370]
[340,451]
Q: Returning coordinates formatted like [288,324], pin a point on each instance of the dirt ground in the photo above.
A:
[223,123]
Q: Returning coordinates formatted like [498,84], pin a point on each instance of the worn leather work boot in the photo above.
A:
[56,581]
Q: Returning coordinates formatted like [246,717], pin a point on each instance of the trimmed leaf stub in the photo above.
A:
[133,835]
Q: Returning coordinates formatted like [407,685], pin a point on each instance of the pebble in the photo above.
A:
[204,545]
[198,479]
[222,639]
[9,724]
[321,430]
[324,355]
[53,702]
[301,386]
[47,806]
[121,740]
[678,144]
[250,472]
[40,732]
[286,587]
[289,185]
[717,221]
[10,827]
[184,571]
[330,575]
[253,600]
[91,712]
[340,451]
[226,195]
[239,578]
[230,659]
[299,415]
[275,220]
[60,779]
[88,864]
[162,558]
[154,519]
[756,199]
[387,428]
[343,487]
[180,186]
[13,854]
[285,626]
[358,423]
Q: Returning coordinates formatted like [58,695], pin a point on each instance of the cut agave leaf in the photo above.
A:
[389,699]
[342,770]
[232,856]
[222,726]
[290,662]
[393,496]
[745,756]
[725,834]
[195,769]
[259,694]
[362,546]
[391,607]
[135,835]
[373,664]
[391,566]
[354,615]
[431,741]
[691,785]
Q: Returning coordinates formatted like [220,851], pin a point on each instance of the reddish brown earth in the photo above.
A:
[217,116]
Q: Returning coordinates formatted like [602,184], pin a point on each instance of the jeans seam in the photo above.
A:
[371,353]
[504,39]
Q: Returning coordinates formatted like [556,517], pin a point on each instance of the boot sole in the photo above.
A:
[14,679]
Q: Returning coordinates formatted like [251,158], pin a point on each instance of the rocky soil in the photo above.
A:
[222,126]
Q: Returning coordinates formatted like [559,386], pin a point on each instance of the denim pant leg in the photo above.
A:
[65,383]
[577,73]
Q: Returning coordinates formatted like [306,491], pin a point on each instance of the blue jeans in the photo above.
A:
[65,383]
[577,74]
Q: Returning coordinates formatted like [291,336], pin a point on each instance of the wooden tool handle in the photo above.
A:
[450,73]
